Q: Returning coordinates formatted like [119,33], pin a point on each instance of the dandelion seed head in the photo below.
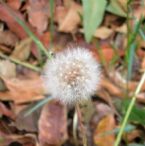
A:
[72,76]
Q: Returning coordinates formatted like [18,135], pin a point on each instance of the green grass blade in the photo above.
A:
[131,58]
[38,105]
[131,47]
[51,2]
[25,64]
[141,32]
[34,38]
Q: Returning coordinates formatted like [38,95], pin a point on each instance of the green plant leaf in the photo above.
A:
[131,47]
[137,115]
[116,9]
[93,12]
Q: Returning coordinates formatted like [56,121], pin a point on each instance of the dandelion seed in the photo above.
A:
[72,76]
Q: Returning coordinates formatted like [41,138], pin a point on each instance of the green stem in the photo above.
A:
[51,3]
[118,139]
[27,65]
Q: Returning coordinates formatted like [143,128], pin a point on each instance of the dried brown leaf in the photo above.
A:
[8,38]
[23,90]
[7,69]
[103,32]
[53,124]
[29,122]
[5,111]
[38,14]
[22,50]
[15,4]
[105,125]
[129,137]
[71,19]
[111,88]
[6,16]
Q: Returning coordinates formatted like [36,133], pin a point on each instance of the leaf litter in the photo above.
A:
[106,28]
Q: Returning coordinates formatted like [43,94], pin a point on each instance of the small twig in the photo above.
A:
[27,65]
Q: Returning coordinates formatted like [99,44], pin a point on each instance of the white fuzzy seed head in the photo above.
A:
[72,76]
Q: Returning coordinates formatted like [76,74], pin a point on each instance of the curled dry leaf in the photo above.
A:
[129,137]
[16,140]
[139,12]
[101,138]
[15,4]
[5,49]
[60,14]
[38,14]
[5,111]
[123,4]
[7,69]
[122,29]
[103,32]
[102,110]
[22,50]
[53,124]
[6,16]
[71,19]
[106,53]
[23,90]
[141,97]
[143,64]
[29,122]
[8,38]
[111,88]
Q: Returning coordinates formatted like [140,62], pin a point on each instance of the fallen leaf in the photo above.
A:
[123,3]
[22,50]
[60,14]
[38,14]
[102,110]
[71,19]
[103,32]
[129,137]
[105,125]
[5,49]
[143,64]
[29,122]
[5,111]
[141,97]
[2,85]
[139,12]
[15,4]
[23,90]
[53,124]
[8,38]
[110,87]
[106,53]
[7,69]
[6,16]
[122,29]
[17,140]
